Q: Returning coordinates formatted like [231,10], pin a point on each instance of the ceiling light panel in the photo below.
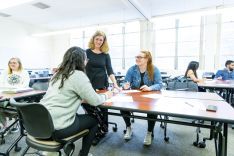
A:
[4,15]
[41,5]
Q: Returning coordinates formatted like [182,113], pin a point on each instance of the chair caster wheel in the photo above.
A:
[195,143]
[69,149]
[17,148]
[201,144]
[166,139]
[162,126]
[2,141]
[114,129]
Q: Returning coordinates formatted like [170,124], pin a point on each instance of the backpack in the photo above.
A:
[182,83]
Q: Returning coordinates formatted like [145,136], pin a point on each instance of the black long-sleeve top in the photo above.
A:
[97,68]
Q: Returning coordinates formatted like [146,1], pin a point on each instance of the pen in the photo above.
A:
[130,87]
[189,104]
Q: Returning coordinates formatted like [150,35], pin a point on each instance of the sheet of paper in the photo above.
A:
[14,90]
[153,96]
[120,99]
[7,88]
[130,91]
[178,103]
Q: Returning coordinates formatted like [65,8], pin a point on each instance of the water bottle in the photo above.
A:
[110,87]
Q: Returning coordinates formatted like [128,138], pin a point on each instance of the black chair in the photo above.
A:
[179,83]
[208,75]
[40,86]
[10,113]
[36,120]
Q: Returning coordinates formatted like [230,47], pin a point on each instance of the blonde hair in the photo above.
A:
[150,66]
[20,65]
[104,47]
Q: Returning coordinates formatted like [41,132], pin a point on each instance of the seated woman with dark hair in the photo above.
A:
[68,88]
[191,72]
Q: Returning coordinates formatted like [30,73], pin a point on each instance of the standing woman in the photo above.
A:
[99,66]
[15,76]
[67,89]
[98,69]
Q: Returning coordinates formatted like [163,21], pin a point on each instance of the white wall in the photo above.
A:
[16,41]
[211,42]
[60,45]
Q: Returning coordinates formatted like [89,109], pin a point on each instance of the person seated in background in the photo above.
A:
[68,88]
[227,73]
[191,72]
[14,77]
[146,77]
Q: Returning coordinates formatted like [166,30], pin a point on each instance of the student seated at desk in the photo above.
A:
[227,73]
[146,77]
[15,76]
[67,89]
[191,72]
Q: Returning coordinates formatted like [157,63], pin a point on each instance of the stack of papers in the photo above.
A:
[120,99]
[10,90]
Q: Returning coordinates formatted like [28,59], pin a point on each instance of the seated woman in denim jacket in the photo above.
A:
[146,77]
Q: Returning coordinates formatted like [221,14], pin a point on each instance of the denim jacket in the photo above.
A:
[134,78]
[225,74]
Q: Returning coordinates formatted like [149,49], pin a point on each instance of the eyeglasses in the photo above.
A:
[139,57]
[13,62]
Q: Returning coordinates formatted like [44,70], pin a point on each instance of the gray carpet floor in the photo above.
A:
[180,143]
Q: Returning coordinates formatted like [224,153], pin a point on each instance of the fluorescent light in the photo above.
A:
[4,15]
[69,31]
[54,33]
[4,4]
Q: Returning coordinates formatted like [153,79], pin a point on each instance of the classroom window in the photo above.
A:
[165,39]
[123,39]
[226,39]
[176,39]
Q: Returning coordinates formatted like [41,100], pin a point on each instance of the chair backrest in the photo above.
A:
[208,75]
[40,85]
[182,84]
[35,118]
